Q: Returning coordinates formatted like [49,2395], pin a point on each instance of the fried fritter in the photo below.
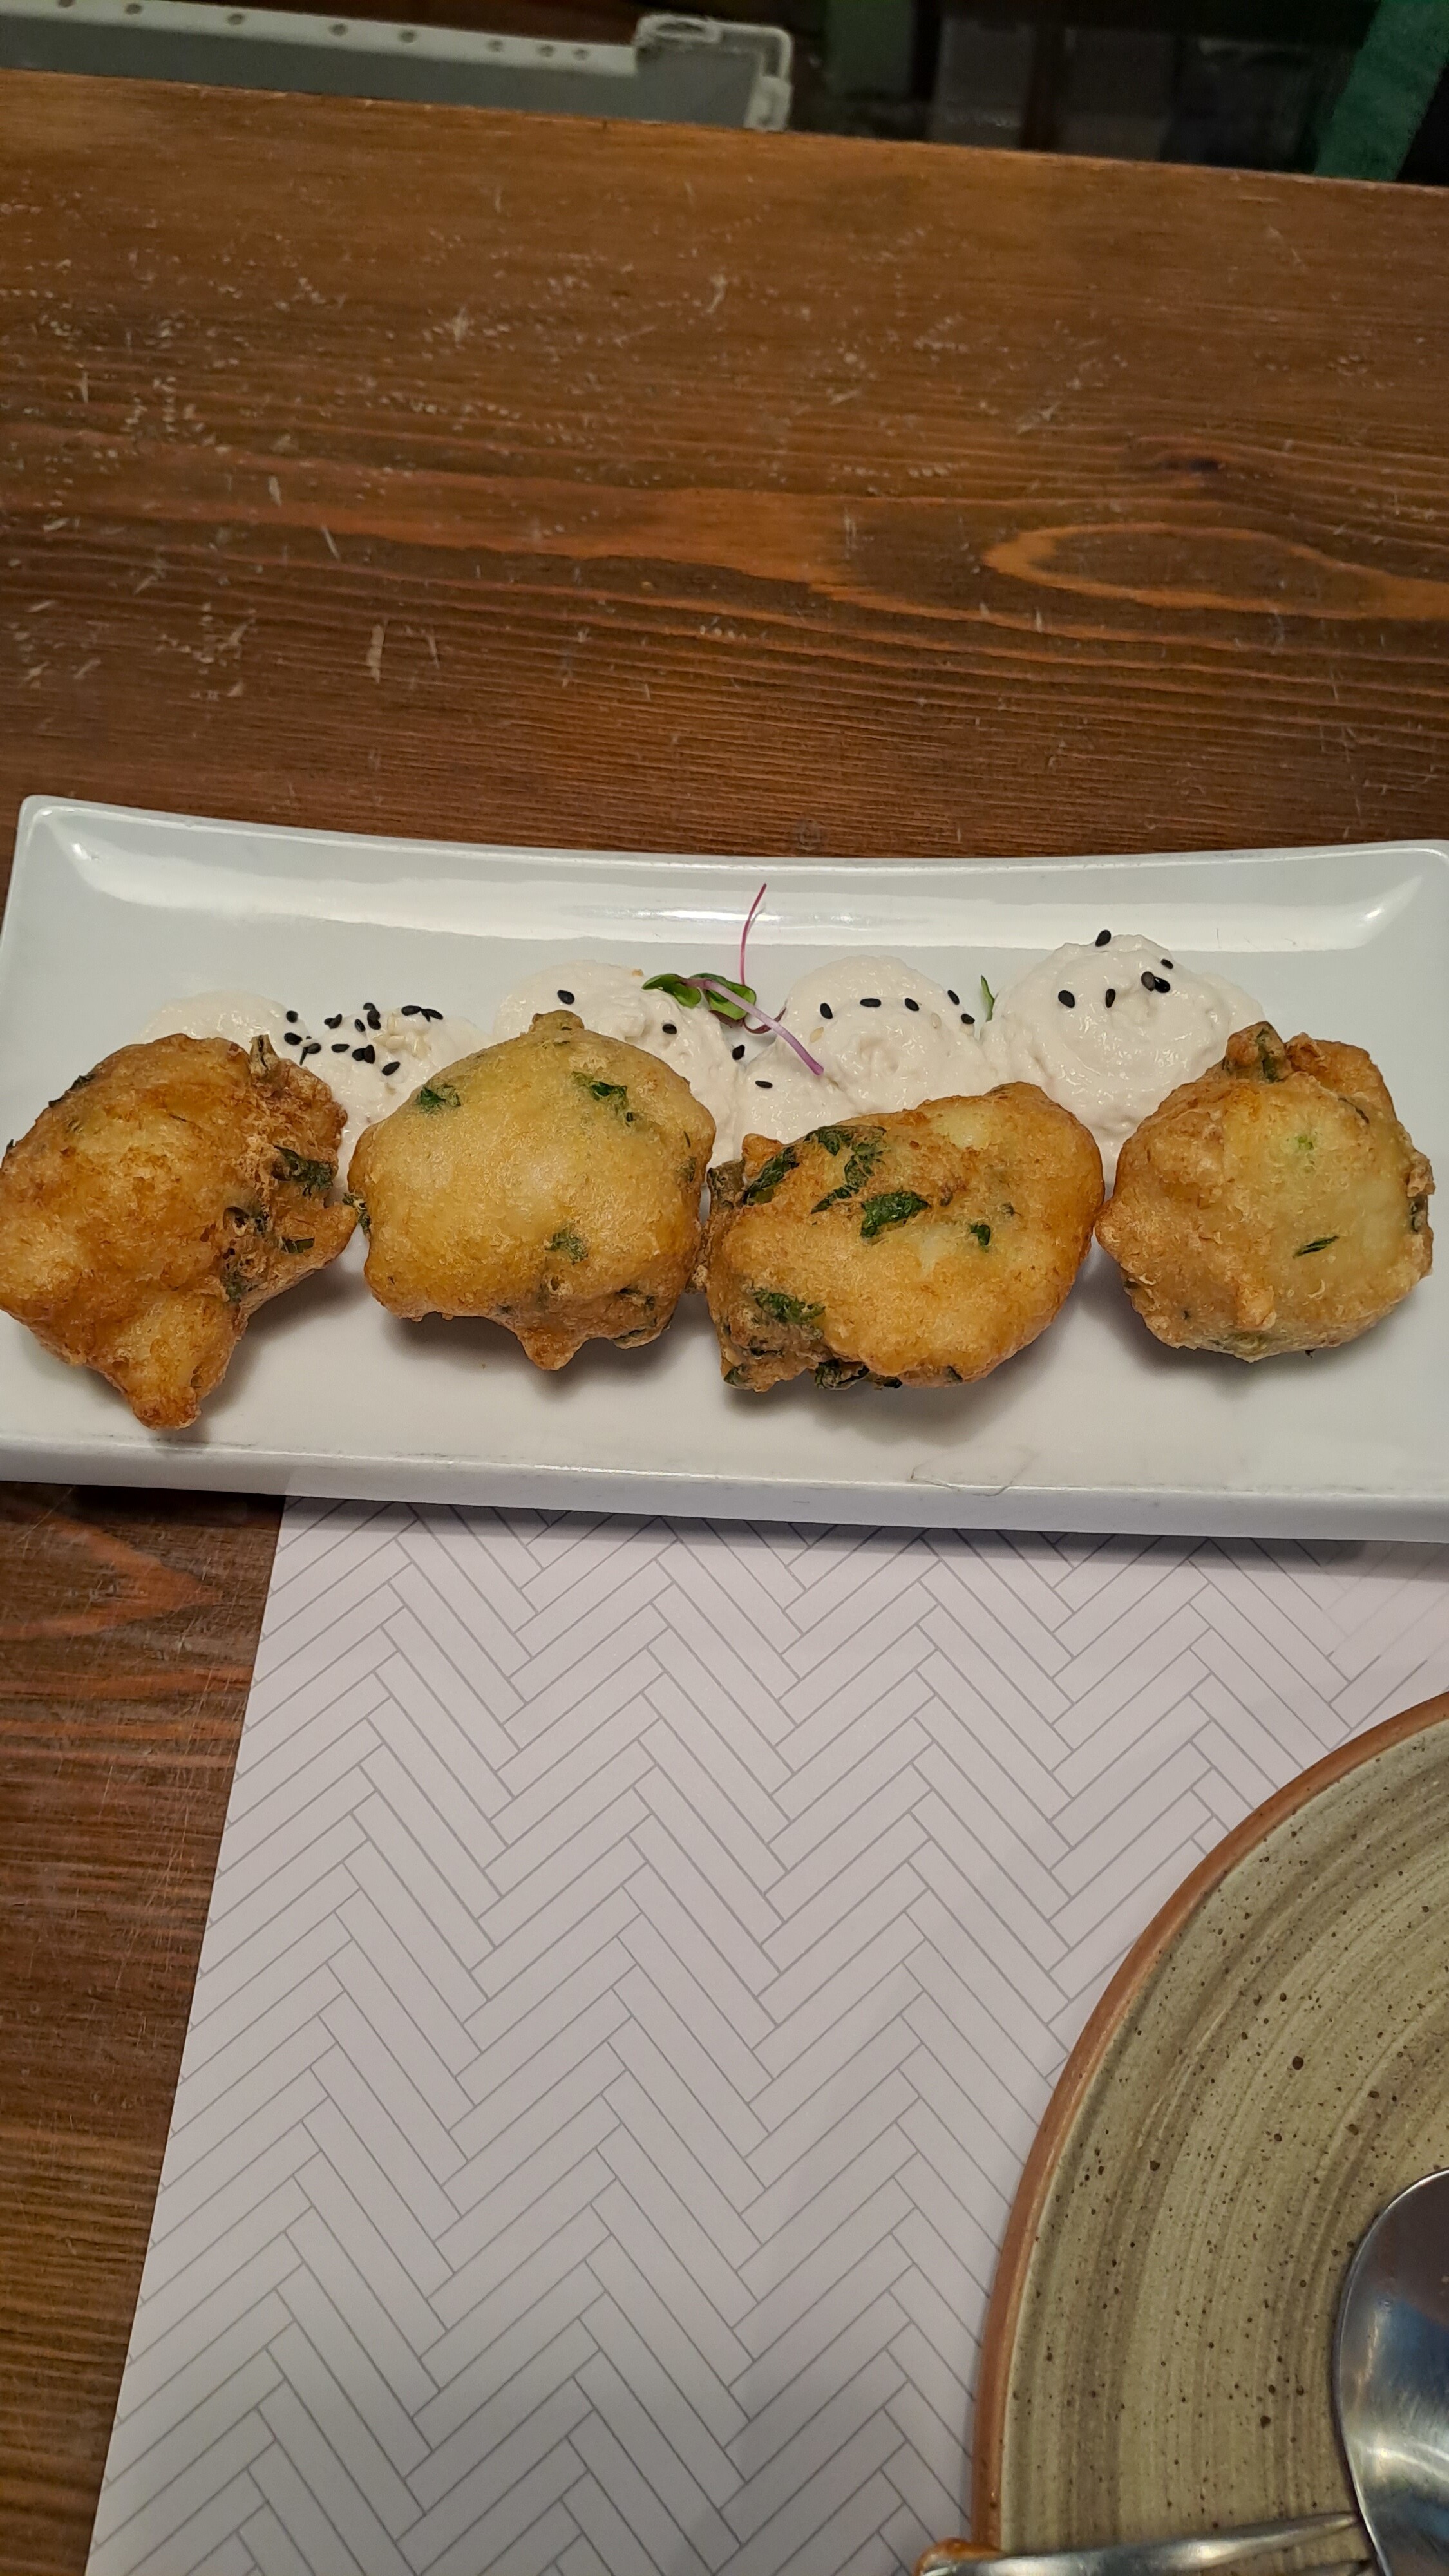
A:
[551,1182]
[161,1200]
[1275,1204]
[918,1248]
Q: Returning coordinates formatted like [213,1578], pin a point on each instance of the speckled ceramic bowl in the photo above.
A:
[1270,2065]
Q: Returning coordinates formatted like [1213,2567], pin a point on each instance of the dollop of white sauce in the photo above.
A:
[887,1036]
[611,1001]
[1109,1029]
[240,1017]
[781,1098]
[408,1044]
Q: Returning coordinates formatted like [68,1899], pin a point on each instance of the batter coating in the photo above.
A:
[918,1248]
[1275,1204]
[161,1200]
[551,1183]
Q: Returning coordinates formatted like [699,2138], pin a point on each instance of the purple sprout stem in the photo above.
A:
[749,925]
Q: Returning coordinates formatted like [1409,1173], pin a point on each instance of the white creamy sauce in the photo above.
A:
[887,1036]
[371,1059]
[374,1059]
[1109,1029]
[237,1016]
[611,1001]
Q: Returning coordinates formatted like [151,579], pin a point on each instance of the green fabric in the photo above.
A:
[1387,92]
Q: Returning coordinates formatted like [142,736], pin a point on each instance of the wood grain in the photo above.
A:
[419,470]
[407,467]
[128,1626]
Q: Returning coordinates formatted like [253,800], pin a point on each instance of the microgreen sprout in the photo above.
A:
[733,999]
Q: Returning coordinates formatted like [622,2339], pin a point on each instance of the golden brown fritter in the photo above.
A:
[918,1248]
[158,1203]
[551,1182]
[1275,1204]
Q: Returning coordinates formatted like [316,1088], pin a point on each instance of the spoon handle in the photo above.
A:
[1208,2549]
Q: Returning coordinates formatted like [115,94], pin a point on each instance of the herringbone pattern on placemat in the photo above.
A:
[639,1958]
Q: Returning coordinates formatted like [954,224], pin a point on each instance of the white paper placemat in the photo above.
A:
[639,1958]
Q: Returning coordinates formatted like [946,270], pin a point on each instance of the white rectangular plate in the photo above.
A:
[113,912]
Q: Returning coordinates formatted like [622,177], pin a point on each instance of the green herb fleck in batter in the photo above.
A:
[893,1207]
[312,1178]
[785,1309]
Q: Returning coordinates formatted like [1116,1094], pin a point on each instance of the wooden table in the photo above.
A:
[414,469]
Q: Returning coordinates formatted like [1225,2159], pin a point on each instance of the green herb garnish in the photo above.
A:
[988,999]
[235,1286]
[360,1206]
[785,1309]
[1320,1243]
[982,1234]
[834,1139]
[768,1178]
[570,1242]
[311,1178]
[893,1207]
[437,1095]
[731,1003]
[298,1242]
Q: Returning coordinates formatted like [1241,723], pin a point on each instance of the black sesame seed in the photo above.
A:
[738,1053]
[1067,1000]
[668,1029]
[292,1016]
[563,996]
[339,1046]
[1163,985]
[312,1047]
[291,1037]
[364,1055]
[357,1024]
[395,1065]
[826,1012]
[1167,962]
[1149,982]
[1110,996]
[410,1011]
[910,1005]
[374,1016]
[953,997]
[1104,938]
[969,1017]
[335,1022]
[764,1086]
[870,1001]
[369,1006]
[429,1015]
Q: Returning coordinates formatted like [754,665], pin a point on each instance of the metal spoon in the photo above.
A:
[1391,2398]
[1391,2379]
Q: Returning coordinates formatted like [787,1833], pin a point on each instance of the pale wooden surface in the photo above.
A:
[415,470]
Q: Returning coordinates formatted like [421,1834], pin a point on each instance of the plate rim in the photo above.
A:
[1125,1991]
